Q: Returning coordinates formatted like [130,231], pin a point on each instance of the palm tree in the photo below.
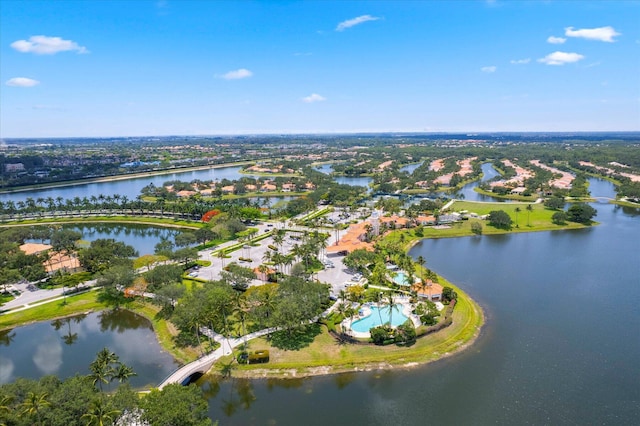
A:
[99,414]
[529,210]
[517,210]
[378,299]
[5,403]
[222,254]
[123,372]
[34,404]
[421,262]
[392,306]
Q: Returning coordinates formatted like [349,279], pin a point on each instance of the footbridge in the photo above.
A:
[192,371]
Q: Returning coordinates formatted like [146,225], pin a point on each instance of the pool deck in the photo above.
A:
[366,312]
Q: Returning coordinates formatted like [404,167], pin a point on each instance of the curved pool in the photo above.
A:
[365,324]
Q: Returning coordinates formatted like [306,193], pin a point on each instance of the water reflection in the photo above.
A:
[48,355]
[67,346]
[238,393]
[122,320]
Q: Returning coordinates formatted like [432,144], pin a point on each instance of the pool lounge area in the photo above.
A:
[369,317]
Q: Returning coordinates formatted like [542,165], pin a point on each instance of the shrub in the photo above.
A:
[405,333]
[381,334]
[258,357]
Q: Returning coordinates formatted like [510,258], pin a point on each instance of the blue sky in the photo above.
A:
[124,68]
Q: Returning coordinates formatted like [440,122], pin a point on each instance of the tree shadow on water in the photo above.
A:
[295,339]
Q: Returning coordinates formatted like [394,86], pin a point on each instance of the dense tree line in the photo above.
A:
[81,400]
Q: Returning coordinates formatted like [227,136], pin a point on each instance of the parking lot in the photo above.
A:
[336,276]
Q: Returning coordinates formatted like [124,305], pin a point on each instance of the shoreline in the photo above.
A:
[328,370]
[115,178]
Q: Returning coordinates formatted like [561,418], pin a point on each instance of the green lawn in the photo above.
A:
[325,354]
[75,304]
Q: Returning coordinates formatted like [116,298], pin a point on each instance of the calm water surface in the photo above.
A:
[129,187]
[66,347]
[561,342]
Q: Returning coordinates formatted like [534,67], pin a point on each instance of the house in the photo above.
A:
[56,261]
[185,194]
[354,239]
[398,221]
[426,220]
[429,290]
[288,187]
[268,187]
[228,189]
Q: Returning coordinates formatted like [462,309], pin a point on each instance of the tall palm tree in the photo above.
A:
[99,414]
[421,262]
[392,306]
[517,210]
[529,210]
[34,404]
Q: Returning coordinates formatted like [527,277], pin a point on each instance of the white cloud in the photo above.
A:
[314,97]
[22,82]
[556,40]
[561,58]
[601,34]
[43,45]
[491,68]
[355,21]
[237,74]
[520,61]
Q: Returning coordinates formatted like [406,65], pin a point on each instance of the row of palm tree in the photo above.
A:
[187,208]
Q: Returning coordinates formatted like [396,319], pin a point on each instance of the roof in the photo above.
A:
[428,290]
[352,240]
[33,248]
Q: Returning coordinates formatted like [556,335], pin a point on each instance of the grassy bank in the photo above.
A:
[326,356]
[75,304]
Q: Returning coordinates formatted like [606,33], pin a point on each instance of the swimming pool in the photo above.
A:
[401,278]
[365,324]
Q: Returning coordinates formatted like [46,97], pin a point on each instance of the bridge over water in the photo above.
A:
[197,368]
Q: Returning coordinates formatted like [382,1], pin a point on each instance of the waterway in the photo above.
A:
[560,344]
[131,187]
[126,187]
[66,347]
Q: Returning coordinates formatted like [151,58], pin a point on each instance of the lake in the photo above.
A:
[561,342]
[129,187]
[66,347]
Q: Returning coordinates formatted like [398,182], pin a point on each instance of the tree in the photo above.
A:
[448,294]
[175,405]
[185,255]
[476,228]
[113,282]
[559,218]
[517,210]
[34,404]
[500,219]
[581,213]
[99,413]
[554,203]
[104,253]
[163,275]
[185,239]
[529,210]
[237,276]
